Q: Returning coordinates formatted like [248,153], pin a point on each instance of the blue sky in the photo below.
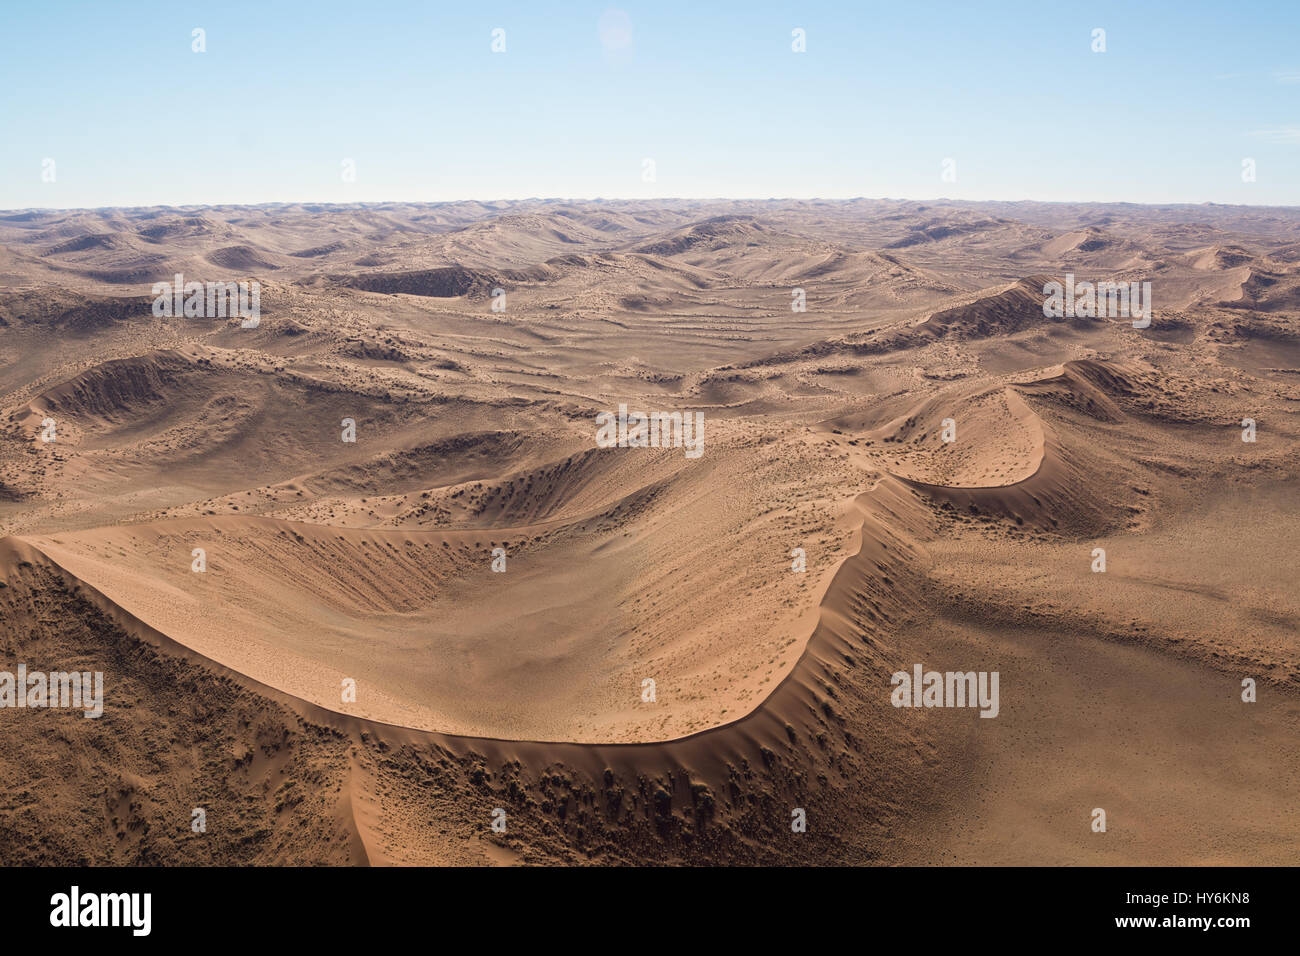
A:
[412,93]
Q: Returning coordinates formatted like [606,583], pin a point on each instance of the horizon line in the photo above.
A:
[647,199]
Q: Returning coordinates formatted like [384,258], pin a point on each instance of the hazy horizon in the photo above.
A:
[941,200]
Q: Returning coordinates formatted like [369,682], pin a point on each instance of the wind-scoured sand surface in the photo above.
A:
[369,563]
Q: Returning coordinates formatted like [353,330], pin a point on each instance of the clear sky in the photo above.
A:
[412,93]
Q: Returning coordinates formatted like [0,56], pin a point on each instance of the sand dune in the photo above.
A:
[681,651]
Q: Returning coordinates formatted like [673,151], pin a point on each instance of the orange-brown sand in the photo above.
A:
[644,676]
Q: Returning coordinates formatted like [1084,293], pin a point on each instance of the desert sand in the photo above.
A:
[472,347]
